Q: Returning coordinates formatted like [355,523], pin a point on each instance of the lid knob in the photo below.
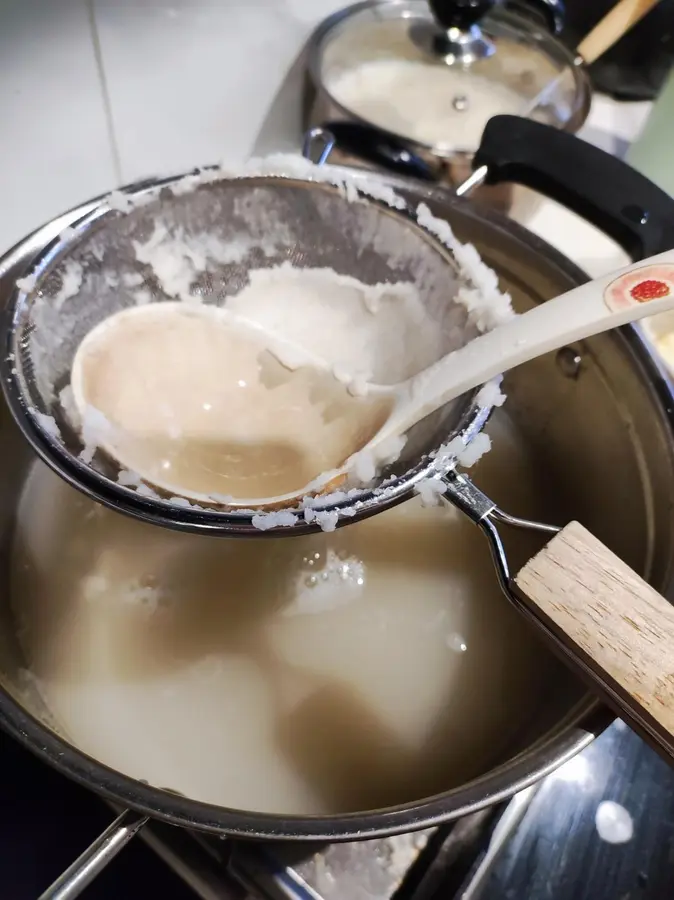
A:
[456,36]
[461,14]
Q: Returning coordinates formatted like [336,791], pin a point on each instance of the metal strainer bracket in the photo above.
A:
[463,494]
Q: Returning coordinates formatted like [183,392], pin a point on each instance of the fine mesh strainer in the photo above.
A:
[216,230]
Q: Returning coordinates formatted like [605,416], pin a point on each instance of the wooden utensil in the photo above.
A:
[618,629]
[607,32]
[612,27]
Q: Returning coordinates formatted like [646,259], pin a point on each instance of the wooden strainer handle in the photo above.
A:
[616,626]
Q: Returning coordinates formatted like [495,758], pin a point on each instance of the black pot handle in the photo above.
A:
[599,187]
[379,148]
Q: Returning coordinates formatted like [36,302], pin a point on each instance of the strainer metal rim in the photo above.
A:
[472,418]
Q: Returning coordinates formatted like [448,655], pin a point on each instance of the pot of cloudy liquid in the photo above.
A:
[336,685]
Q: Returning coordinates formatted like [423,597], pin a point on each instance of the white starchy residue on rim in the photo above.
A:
[265,521]
[123,202]
[430,491]
[67,234]
[350,187]
[129,478]
[291,165]
[474,452]
[327,519]
[487,305]
[47,423]
[67,402]
[120,201]
[491,394]
[96,428]
[26,284]
[143,490]
[458,450]
[71,282]
[222,499]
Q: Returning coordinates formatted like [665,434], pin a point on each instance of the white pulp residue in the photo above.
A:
[67,234]
[378,333]
[487,305]
[491,395]
[71,282]
[430,491]
[350,186]
[280,518]
[613,823]
[26,284]
[123,202]
[96,430]
[67,402]
[467,454]
[47,423]
[176,259]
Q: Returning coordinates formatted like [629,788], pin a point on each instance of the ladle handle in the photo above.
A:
[617,627]
[642,289]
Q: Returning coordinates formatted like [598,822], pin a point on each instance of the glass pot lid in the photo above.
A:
[388,63]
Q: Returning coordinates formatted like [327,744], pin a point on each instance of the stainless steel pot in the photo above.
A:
[382,29]
[599,417]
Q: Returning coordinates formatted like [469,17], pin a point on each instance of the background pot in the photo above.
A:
[597,416]
[384,29]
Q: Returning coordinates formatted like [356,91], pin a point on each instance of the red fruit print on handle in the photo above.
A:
[651,289]
[641,285]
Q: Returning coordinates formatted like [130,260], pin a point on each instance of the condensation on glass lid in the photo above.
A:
[443,106]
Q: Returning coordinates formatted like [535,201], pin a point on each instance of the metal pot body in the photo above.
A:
[598,419]
[449,168]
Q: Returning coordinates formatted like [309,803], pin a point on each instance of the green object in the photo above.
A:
[653,152]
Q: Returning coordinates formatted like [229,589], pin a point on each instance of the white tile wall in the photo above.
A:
[192,82]
[187,82]
[54,146]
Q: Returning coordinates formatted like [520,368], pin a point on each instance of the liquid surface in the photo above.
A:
[319,674]
[433,104]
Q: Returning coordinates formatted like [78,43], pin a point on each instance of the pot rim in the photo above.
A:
[585,721]
[315,55]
